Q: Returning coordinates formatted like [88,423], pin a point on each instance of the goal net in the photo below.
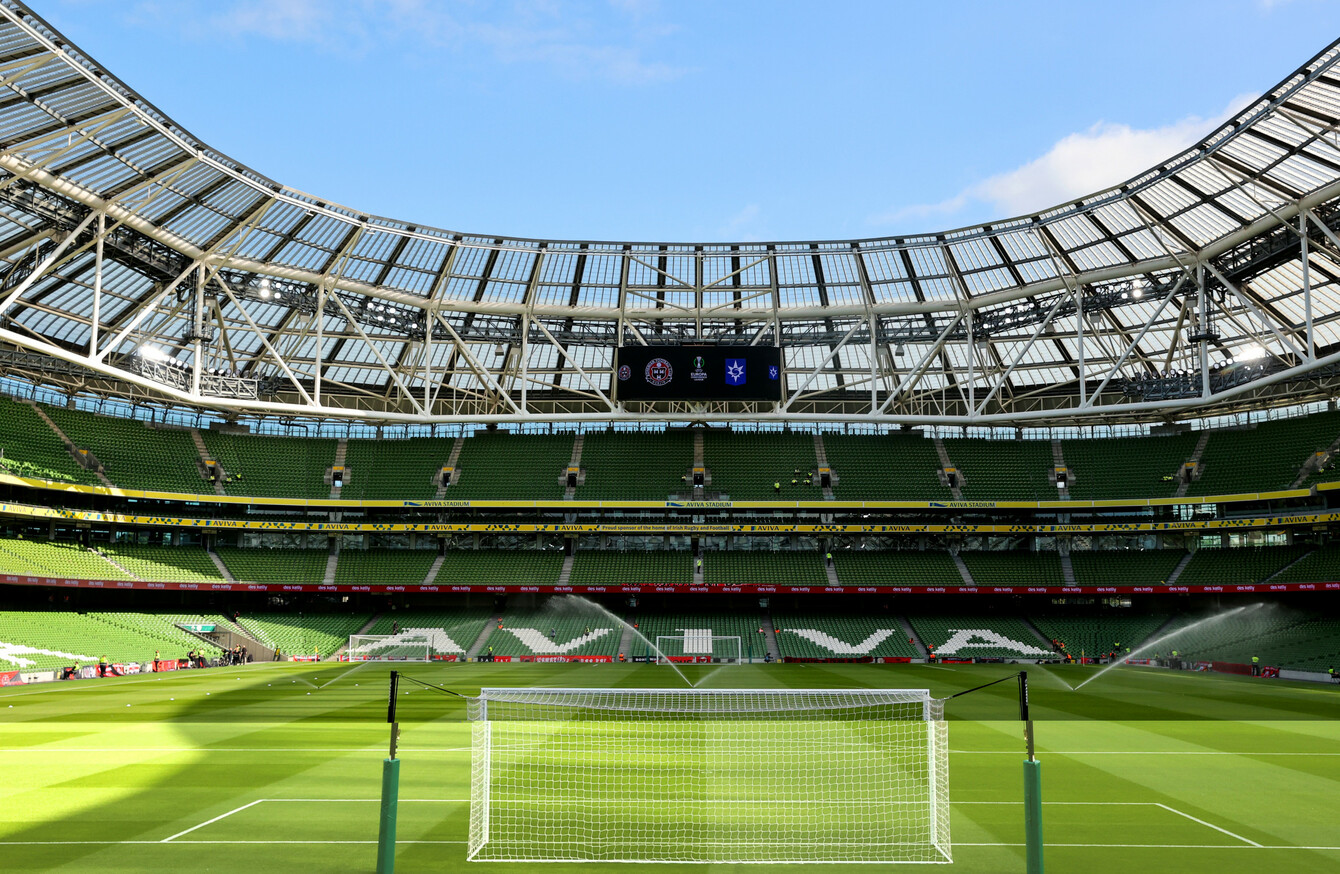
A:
[402,647]
[694,644]
[712,776]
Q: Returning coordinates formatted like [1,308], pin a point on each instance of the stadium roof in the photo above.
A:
[137,261]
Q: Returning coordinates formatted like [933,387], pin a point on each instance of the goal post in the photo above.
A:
[402,647]
[695,644]
[709,776]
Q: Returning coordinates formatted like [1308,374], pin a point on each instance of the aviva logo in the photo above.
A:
[538,642]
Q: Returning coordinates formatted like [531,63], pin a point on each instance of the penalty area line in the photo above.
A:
[211,821]
[1208,825]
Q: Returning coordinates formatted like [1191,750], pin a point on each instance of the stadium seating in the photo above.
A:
[1014,568]
[884,468]
[907,567]
[752,568]
[1266,457]
[384,566]
[498,466]
[164,563]
[303,633]
[825,636]
[1126,467]
[745,626]
[281,467]
[1278,636]
[29,448]
[746,465]
[1319,566]
[1128,567]
[460,627]
[275,565]
[1006,470]
[394,470]
[81,638]
[1213,567]
[496,567]
[655,568]
[1097,634]
[635,466]
[133,455]
[54,559]
[966,636]
[561,627]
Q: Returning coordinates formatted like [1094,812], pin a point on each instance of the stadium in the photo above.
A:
[663,552]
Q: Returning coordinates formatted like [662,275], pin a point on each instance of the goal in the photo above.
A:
[402,647]
[710,776]
[699,643]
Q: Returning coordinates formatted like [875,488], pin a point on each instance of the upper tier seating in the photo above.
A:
[657,568]
[279,467]
[906,567]
[1248,564]
[884,468]
[1004,470]
[275,565]
[837,635]
[394,567]
[746,465]
[1014,568]
[635,466]
[498,466]
[394,470]
[1264,458]
[29,448]
[974,636]
[1112,468]
[496,567]
[758,568]
[133,455]
[1129,567]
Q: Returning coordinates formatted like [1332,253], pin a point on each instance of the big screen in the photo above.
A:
[698,373]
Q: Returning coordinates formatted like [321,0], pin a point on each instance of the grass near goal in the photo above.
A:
[402,647]
[711,776]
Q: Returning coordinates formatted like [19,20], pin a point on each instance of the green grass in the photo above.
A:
[1143,770]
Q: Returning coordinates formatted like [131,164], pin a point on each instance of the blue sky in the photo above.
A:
[694,120]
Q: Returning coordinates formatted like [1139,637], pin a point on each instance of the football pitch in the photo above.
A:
[277,767]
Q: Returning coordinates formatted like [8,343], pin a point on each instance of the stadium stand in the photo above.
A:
[51,640]
[1127,567]
[499,466]
[1319,566]
[1264,458]
[1009,470]
[497,567]
[691,631]
[1248,564]
[1016,568]
[1098,634]
[826,636]
[28,448]
[303,633]
[722,568]
[904,567]
[384,566]
[973,636]
[1278,636]
[450,632]
[54,559]
[164,563]
[278,467]
[902,467]
[394,470]
[554,629]
[1112,468]
[133,455]
[635,466]
[658,567]
[275,565]
[746,465]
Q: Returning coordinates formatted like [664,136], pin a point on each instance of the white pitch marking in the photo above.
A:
[215,819]
[1208,825]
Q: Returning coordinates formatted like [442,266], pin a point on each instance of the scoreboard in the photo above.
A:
[698,373]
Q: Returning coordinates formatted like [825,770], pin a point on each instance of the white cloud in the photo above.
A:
[1078,164]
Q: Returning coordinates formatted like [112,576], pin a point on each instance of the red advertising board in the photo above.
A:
[11,678]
